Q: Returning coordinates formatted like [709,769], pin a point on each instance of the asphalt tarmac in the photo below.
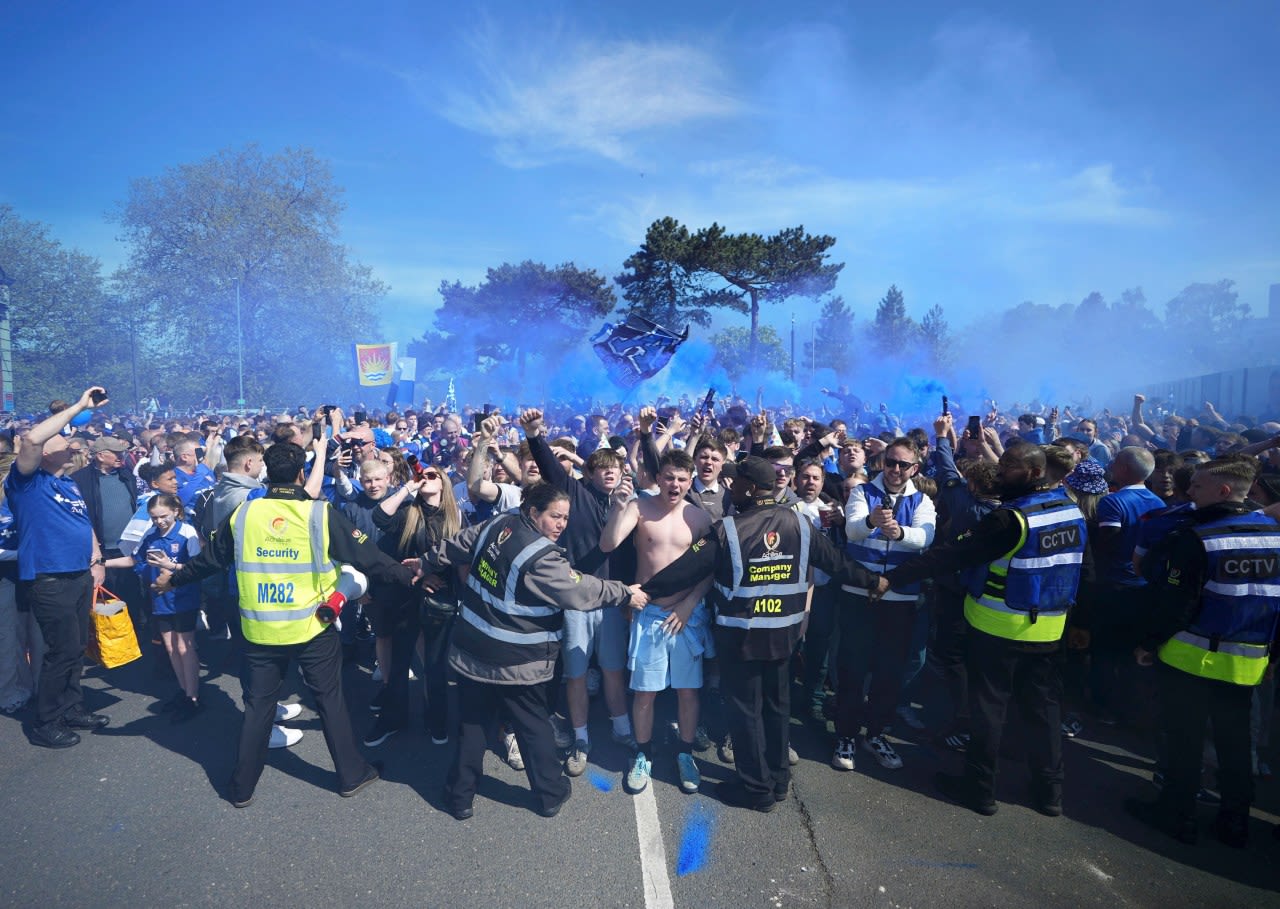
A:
[135,817]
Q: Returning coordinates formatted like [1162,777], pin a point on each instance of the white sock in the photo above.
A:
[580,734]
[621,725]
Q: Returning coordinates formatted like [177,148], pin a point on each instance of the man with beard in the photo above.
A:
[1034,553]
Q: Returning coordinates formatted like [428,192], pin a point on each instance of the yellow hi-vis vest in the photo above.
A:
[282,568]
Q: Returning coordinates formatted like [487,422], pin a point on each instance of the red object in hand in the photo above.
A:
[328,611]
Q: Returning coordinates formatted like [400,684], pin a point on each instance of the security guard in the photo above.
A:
[1214,622]
[1030,554]
[761,560]
[285,548]
[506,638]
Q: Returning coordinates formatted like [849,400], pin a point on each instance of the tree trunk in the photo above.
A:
[753,347]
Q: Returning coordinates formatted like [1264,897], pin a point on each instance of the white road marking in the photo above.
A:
[653,854]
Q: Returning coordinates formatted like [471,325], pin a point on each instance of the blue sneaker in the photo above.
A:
[638,773]
[687,766]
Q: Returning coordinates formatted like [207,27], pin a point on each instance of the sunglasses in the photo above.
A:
[901,465]
[783,470]
[430,475]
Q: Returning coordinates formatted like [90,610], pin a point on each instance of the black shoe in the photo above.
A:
[186,710]
[463,814]
[959,789]
[736,795]
[1154,814]
[174,702]
[555,809]
[383,728]
[79,718]
[375,772]
[1047,798]
[1232,829]
[242,803]
[780,795]
[54,735]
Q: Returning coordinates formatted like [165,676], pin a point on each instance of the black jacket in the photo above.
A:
[90,480]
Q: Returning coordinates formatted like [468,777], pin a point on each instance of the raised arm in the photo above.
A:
[28,459]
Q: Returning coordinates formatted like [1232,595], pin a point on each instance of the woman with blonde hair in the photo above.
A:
[419,515]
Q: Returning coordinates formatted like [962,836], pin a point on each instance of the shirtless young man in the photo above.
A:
[669,636]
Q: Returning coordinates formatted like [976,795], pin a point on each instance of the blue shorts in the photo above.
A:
[601,631]
[659,660]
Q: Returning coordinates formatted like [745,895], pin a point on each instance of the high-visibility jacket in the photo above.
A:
[761,609]
[500,622]
[283,569]
[1025,594]
[1230,637]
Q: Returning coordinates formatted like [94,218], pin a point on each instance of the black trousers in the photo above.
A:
[60,604]
[407,624]
[999,671]
[481,706]
[875,638]
[758,696]
[1187,703]
[947,653]
[817,641]
[265,666]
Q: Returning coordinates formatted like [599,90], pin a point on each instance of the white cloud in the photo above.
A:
[575,97]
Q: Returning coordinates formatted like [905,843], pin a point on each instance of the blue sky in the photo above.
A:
[976,156]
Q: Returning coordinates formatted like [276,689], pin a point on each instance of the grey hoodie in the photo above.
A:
[227,495]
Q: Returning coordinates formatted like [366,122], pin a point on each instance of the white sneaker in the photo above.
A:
[843,759]
[286,712]
[413,676]
[514,760]
[792,757]
[284,737]
[885,755]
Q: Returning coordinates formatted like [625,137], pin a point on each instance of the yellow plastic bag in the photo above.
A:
[113,641]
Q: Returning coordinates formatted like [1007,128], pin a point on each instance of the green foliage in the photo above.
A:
[518,311]
[67,332]
[677,277]
[893,331]
[267,226]
[1207,320]
[936,335]
[659,283]
[732,346]
[834,337]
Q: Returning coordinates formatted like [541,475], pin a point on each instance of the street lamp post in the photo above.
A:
[239,349]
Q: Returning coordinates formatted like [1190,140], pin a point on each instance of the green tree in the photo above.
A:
[833,341]
[742,271]
[659,282]
[733,345]
[517,312]
[257,233]
[936,334]
[1206,320]
[893,331]
[67,332]
[677,277]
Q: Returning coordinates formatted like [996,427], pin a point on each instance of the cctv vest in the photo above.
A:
[500,622]
[1025,594]
[1230,637]
[761,608]
[283,569]
[879,554]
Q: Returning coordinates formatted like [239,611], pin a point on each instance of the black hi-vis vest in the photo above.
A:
[760,610]
[500,622]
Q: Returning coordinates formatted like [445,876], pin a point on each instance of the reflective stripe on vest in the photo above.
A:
[283,570]
[508,603]
[1240,664]
[1229,639]
[736,610]
[1032,614]
[879,555]
[502,623]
